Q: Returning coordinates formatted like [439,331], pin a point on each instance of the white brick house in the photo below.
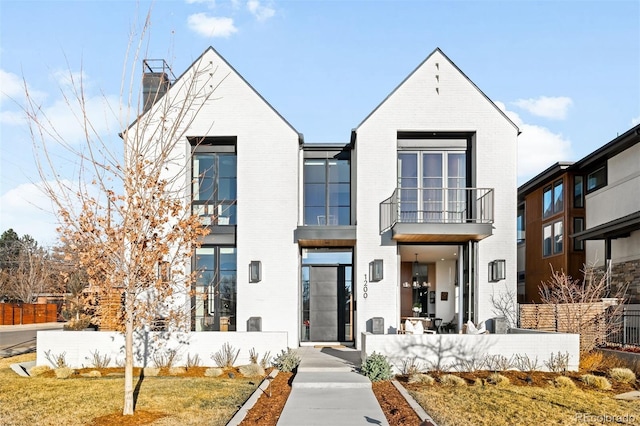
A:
[326,241]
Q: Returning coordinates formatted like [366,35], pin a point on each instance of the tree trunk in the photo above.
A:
[128,366]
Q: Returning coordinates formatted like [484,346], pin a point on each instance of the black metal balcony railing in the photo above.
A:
[437,205]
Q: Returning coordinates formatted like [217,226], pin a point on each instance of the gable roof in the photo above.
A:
[437,50]
[210,48]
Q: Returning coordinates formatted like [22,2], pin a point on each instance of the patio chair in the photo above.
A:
[451,326]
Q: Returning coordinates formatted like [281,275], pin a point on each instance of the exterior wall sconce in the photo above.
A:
[375,270]
[497,270]
[255,271]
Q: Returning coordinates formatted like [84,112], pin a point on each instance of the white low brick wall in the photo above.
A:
[78,346]
[448,351]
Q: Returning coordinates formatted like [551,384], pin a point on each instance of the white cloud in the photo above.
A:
[260,12]
[28,210]
[554,108]
[12,89]
[69,80]
[635,121]
[538,147]
[211,2]
[211,26]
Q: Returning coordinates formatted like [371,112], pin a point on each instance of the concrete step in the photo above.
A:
[330,380]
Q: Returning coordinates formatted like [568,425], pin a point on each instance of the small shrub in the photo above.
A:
[57,361]
[63,372]
[423,379]
[166,359]
[498,379]
[452,380]
[472,365]
[226,356]
[591,361]
[597,382]
[498,363]
[251,370]
[377,368]
[78,324]
[176,371]
[98,361]
[92,373]
[526,364]
[410,366]
[193,362]
[253,356]
[213,372]
[286,361]
[264,362]
[622,375]
[150,371]
[38,370]
[558,363]
[563,382]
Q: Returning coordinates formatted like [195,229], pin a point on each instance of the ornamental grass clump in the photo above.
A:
[452,380]
[377,368]
[38,370]
[622,375]
[564,382]
[63,372]
[421,378]
[498,379]
[251,370]
[597,382]
[213,372]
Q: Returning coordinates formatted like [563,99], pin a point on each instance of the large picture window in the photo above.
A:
[214,187]
[327,192]
[214,300]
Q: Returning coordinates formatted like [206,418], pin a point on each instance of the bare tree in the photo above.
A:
[128,217]
[586,307]
[505,305]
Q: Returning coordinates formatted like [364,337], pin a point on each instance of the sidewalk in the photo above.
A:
[327,390]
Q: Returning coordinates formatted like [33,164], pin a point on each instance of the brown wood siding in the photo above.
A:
[538,268]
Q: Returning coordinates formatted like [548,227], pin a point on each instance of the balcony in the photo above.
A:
[439,215]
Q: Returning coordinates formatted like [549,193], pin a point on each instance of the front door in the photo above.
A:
[327,304]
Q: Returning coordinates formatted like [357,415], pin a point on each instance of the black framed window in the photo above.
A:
[597,179]
[558,237]
[547,245]
[214,187]
[578,192]
[578,226]
[553,199]
[215,290]
[327,192]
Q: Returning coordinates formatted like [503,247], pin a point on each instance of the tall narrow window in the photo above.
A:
[547,202]
[557,237]
[327,192]
[214,300]
[214,188]
[546,240]
[578,226]
[521,223]
[578,192]
[558,197]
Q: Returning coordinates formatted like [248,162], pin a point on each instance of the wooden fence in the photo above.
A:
[27,313]
[587,319]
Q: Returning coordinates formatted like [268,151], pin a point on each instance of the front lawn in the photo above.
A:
[84,401]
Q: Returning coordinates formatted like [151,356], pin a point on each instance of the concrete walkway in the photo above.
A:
[327,390]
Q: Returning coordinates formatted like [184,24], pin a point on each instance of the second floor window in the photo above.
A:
[553,199]
[214,187]
[327,192]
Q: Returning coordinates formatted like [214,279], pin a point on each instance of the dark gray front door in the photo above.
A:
[323,315]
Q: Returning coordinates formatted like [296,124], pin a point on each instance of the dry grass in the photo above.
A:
[81,401]
[624,375]
[518,405]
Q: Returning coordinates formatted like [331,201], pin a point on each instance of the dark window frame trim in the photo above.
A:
[603,167]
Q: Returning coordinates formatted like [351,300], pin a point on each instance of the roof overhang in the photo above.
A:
[618,228]
[440,232]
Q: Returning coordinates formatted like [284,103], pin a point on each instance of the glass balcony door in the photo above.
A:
[432,186]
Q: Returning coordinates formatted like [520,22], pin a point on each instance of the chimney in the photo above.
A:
[155,81]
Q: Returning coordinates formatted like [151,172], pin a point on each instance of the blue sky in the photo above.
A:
[567,72]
